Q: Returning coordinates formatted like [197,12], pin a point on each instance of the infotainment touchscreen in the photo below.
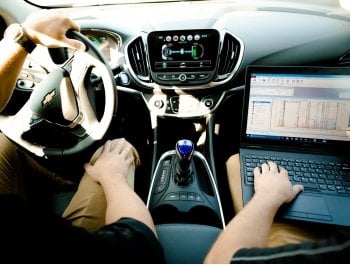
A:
[183,51]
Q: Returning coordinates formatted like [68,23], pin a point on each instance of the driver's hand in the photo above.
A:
[112,162]
[272,184]
[49,28]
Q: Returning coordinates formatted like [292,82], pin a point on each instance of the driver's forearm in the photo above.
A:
[12,57]
[122,201]
[249,228]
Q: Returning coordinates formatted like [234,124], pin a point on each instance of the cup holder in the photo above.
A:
[165,214]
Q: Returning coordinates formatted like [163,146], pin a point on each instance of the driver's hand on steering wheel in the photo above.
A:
[49,28]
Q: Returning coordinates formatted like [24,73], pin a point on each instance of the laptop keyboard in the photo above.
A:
[316,176]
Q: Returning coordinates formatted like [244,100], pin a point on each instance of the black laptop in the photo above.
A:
[299,117]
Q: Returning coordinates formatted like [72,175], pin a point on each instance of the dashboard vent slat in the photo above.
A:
[229,56]
[345,59]
[138,59]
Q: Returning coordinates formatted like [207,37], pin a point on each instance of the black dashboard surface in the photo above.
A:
[258,34]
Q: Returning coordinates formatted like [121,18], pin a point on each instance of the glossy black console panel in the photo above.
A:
[195,203]
[186,243]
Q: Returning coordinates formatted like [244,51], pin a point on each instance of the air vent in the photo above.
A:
[345,59]
[138,59]
[229,56]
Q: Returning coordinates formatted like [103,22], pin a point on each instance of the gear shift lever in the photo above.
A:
[183,173]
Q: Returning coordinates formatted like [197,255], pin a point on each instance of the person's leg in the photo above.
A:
[281,232]
[43,174]
[11,181]
[234,179]
[87,208]
[22,175]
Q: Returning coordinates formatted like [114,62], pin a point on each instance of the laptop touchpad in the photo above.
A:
[307,206]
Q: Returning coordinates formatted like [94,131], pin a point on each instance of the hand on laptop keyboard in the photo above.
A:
[316,176]
[272,181]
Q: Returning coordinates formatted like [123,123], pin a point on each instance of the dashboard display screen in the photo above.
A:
[183,50]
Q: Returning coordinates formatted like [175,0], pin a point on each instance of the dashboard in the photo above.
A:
[183,58]
[195,51]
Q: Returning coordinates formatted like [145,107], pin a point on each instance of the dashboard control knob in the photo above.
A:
[123,78]
[182,77]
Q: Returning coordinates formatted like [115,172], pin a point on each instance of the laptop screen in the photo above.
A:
[295,106]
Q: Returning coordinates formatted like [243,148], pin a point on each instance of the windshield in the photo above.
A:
[67,3]
[63,3]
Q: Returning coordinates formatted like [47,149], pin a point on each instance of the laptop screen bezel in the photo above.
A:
[328,147]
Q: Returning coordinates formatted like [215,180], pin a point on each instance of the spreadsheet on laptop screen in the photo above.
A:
[299,107]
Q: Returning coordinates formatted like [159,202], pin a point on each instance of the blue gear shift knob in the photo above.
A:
[183,173]
[184,149]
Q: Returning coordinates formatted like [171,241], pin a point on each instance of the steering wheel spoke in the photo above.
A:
[81,68]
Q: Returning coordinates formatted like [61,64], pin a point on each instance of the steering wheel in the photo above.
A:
[59,117]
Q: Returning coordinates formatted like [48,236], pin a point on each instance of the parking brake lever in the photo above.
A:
[183,172]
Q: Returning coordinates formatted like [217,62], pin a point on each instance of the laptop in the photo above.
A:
[299,117]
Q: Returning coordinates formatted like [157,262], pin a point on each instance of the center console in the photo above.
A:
[185,204]
[178,70]
[183,188]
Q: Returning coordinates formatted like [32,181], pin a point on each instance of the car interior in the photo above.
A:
[168,76]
